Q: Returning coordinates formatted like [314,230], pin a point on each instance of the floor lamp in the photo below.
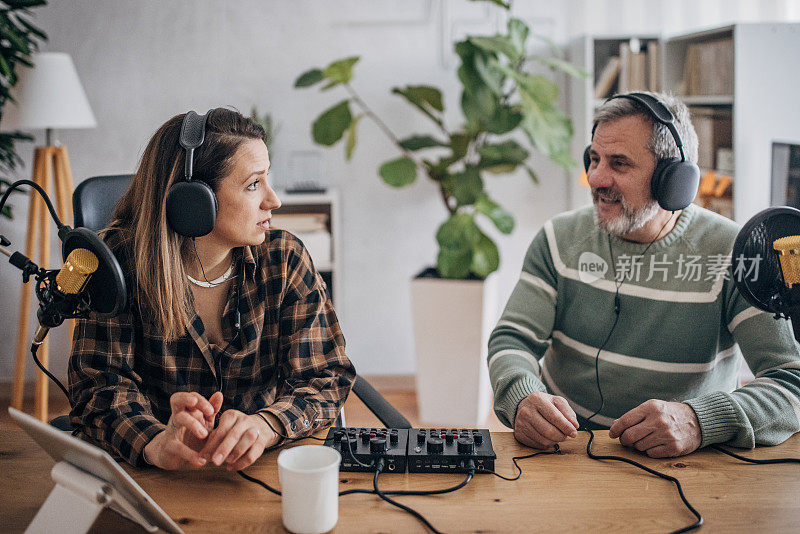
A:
[48,96]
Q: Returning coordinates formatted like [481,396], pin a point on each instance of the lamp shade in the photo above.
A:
[48,96]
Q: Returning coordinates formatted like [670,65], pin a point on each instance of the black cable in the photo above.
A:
[754,460]
[617,309]
[556,450]
[194,246]
[34,348]
[653,472]
[41,192]
[408,509]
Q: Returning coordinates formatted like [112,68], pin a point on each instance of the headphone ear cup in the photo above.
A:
[674,183]
[191,208]
[587,160]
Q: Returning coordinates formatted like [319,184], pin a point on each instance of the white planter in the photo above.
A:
[452,322]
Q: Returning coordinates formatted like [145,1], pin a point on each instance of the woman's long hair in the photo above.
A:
[158,254]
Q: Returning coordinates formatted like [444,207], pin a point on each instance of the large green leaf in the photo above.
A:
[459,144]
[505,119]
[548,129]
[479,106]
[467,186]
[508,150]
[502,157]
[491,76]
[425,98]
[485,257]
[458,232]
[427,94]
[340,71]
[499,44]
[331,125]
[501,218]
[310,77]
[518,33]
[351,137]
[399,172]
[457,238]
[454,263]
[418,142]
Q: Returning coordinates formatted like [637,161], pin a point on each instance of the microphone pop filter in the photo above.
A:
[106,288]
[754,243]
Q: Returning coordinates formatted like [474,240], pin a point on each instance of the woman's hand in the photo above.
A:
[240,439]
[192,419]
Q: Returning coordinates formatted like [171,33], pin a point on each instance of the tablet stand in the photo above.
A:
[77,500]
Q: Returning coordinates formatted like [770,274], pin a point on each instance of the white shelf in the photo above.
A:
[327,204]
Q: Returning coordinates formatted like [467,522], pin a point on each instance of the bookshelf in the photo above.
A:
[739,83]
[314,218]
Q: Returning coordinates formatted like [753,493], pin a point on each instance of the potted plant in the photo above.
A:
[18,42]
[500,98]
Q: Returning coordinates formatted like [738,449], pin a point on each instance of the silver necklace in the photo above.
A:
[211,283]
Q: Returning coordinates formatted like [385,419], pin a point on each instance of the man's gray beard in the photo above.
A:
[629,220]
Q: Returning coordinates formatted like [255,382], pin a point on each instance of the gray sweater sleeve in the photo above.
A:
[765,411]
[523,333]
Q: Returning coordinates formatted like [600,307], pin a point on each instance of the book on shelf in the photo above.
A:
[300,222]
[708,70]
[637,71]
[634,69]
[624,67]
[608,77]
[714,127]
[652,66]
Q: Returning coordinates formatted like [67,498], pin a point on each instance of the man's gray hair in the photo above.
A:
[661,141]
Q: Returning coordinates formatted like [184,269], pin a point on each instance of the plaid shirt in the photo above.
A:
[287,359]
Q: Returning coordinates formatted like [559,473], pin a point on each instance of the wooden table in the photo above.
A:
[566,492]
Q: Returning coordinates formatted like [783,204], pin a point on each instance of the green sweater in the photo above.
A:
[683,329]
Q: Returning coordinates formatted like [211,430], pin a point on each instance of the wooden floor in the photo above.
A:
[356,413]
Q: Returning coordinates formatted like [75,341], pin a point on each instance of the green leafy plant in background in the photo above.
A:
[499,98]
[271,128]
[18,41]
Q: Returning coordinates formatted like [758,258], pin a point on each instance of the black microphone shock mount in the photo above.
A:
[52,312]
[105,293]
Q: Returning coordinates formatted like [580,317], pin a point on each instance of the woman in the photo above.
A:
[230,340]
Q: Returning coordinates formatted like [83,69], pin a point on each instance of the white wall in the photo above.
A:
[144,61]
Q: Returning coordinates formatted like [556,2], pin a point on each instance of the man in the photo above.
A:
[648,292]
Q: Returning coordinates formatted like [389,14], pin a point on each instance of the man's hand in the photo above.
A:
[544,420]
[658,428]
[177,446]
[240,439]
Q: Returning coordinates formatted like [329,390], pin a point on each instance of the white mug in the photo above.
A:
[309,476]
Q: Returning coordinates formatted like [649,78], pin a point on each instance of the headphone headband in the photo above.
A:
[193,133]
[657,111]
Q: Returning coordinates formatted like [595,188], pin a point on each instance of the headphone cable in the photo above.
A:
[617,310]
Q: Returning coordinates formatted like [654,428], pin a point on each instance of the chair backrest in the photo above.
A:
[95,198]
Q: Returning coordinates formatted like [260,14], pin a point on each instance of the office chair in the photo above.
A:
[93,204]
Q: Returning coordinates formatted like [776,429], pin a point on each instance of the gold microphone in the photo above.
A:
[788,249]
[78,268]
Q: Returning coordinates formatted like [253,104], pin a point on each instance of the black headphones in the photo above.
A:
[675,180]
[191,204]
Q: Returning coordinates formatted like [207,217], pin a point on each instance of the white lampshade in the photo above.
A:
[48,96]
